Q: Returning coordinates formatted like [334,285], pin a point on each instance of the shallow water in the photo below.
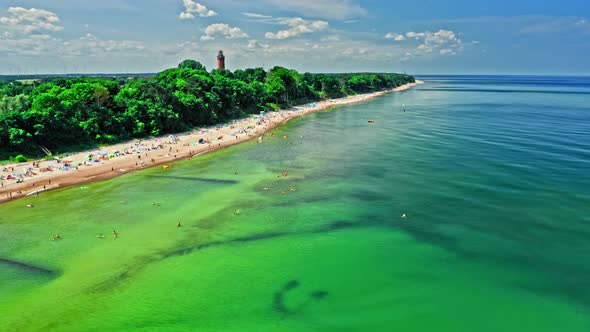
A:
[492,173]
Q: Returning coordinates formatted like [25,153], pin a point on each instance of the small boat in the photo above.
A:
[371,121]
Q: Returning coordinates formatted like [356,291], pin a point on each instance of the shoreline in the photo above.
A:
[114,160]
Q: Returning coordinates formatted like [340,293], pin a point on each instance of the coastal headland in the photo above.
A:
[114,160]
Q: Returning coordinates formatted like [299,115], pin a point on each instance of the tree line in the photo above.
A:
[71,113]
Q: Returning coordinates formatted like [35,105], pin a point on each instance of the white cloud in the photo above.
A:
[415,35]
[87,45]
[395,36]
[222,29]
[332,9]
[298,26]
[331,50]
[445,42]
[256,15]
[31,20]
[192,8]
[254,44]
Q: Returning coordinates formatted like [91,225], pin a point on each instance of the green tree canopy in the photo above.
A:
[71,111]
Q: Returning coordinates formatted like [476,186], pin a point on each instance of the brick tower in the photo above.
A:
[220,60]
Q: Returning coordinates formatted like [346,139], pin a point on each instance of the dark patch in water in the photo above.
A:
[337,225]
[572,280]
[319,294]
[186,178]
[331,227]
[278,302]
[279,296]
[25,266]
[291,285]
[130,272]
[245,239]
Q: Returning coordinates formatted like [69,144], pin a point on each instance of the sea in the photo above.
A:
[462,204]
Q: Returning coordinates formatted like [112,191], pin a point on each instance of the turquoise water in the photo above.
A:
[492,173]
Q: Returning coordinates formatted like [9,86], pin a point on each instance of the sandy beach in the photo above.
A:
[35,177]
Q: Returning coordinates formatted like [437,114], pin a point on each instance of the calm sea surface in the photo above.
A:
[492,172]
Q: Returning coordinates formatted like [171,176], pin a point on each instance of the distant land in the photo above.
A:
[74,112]
[72,75]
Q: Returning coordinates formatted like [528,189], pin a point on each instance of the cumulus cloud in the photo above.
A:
[415,35]
[31,20]
[395,36]
[254,44]
[222,29]
[192,8]
[298,26]
[443,42]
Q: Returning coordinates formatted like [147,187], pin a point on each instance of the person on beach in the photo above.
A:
[115,234]
[178,224]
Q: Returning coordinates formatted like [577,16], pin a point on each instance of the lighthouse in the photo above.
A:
[220,60]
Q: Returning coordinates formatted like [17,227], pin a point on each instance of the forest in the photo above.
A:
[73,113]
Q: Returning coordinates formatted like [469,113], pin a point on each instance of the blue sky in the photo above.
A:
[416,36]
